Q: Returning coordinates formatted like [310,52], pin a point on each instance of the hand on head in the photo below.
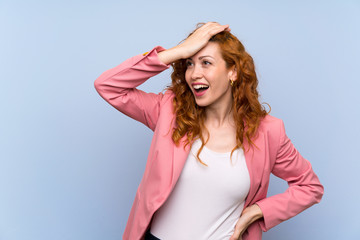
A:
[200,37]
[194,43]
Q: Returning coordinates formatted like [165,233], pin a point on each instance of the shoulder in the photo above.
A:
[168,96]
[166,102]
[270,122]
[272,127]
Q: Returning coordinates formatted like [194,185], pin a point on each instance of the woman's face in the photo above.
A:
[208,77]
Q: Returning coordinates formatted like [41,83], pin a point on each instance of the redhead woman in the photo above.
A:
[214,145]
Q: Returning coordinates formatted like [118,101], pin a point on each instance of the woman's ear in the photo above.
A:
[233,73]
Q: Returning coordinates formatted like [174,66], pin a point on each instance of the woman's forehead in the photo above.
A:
[210,50]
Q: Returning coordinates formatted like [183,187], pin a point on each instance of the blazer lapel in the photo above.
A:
[179,159]
[255,162]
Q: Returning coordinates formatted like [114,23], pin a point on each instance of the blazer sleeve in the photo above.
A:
[304,188]
[118,85]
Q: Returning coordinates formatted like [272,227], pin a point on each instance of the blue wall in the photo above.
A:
[70,163]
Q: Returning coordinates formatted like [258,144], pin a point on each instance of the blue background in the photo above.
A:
[70,164]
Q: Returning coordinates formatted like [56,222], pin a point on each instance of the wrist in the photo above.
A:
[254,212]
[257,213]
[170,55]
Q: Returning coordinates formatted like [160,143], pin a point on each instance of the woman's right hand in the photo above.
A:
[194,43]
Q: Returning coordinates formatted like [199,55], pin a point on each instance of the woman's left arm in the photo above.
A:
[304,188]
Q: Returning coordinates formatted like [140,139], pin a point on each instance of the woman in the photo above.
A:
[214,145]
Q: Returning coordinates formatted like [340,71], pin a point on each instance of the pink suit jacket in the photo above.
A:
[275,153]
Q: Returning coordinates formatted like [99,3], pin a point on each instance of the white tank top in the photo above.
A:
[206,201]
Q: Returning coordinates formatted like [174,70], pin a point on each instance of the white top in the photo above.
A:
[207,201]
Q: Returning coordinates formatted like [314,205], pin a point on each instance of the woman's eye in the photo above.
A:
[188,63]
[206,63]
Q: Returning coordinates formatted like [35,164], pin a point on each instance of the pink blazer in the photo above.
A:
[275,154]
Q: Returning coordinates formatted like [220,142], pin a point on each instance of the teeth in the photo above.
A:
[200,86]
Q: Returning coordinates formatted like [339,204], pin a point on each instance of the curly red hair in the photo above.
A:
[247,109]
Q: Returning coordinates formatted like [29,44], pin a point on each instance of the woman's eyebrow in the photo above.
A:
[201,57]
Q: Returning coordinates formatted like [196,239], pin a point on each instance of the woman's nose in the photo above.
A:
[196,73]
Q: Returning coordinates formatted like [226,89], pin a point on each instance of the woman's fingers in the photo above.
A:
[200,37]
[216,28]
[209,29]
[239,229]
[194,43]
[248,216]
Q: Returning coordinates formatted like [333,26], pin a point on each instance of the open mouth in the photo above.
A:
[199,88]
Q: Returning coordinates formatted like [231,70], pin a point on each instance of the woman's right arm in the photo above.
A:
[118,85]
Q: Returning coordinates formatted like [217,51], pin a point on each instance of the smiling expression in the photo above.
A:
[209,78]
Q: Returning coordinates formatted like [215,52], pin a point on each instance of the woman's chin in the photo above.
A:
[201,103]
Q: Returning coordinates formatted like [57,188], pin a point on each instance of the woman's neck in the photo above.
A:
[218,116]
